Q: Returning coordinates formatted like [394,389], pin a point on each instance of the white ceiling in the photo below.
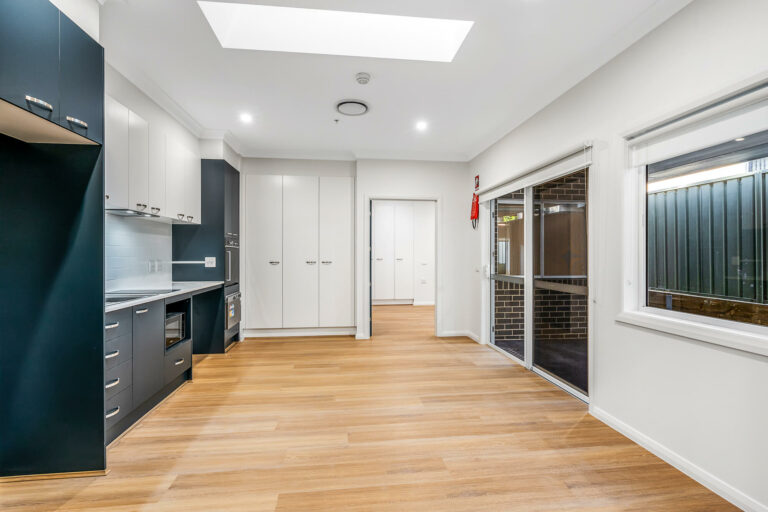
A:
[519,56]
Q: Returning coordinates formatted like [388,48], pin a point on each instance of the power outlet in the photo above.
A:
[210,262]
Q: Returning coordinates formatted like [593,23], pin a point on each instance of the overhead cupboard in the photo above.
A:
[299,252]
[403,239]
[148,172]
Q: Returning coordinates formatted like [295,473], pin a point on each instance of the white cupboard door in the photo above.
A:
[336,227]
[383,238]
[403,250]
[192,176]
[156,179]
[263,237]
[174,180]
[117,176]
[300,251]
[138,163]
[424,252]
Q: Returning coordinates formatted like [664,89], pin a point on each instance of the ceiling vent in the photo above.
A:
[363,78]
[352,108]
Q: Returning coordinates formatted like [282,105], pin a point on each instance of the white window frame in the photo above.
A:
[741,111]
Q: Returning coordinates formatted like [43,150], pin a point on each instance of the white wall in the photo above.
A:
[448,183]
[701,406]
[85,13]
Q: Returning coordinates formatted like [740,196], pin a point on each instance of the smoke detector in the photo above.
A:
[351,108]
[363,78]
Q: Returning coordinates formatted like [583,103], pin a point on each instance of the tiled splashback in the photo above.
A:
[138,254]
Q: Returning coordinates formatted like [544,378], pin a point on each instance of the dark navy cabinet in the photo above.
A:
[51,67]
[29,55]
[81,82]
[148,350]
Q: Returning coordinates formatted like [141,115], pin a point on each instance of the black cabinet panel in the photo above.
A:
[29,55]
[117,407]
[148,350]
[117,323]
[178,359]
[118,350]
[81,82]
[117,379]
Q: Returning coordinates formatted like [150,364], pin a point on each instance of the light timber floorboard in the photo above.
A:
[402,422]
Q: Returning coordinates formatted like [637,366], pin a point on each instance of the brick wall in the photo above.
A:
[509,311]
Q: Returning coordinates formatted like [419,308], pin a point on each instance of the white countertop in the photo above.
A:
[179,288]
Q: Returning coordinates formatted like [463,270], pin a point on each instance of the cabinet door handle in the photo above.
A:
[40,103]
[399,259]
[112,412]
[180,216]
[189,218]
[106,196]
[112,354]
[310,262]
[112,383]
[155,210]
[78,122]
[327,262]
[142,311]
[112,326]
[141,206]
[274,262]
[178,362]
[379,259]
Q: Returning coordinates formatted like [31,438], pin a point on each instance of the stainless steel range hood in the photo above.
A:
[125,212]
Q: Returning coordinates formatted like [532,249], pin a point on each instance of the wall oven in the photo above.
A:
[233,312]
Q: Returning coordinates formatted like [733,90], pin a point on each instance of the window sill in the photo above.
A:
[693,328]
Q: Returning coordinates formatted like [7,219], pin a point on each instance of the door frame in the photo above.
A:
[364,321]
[488,294]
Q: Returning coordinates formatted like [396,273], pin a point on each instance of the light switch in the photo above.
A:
[210,262]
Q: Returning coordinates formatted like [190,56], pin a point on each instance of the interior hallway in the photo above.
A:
[403,422]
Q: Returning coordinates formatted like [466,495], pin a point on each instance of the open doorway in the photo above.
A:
[403,266]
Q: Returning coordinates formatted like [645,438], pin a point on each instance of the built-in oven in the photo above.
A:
[175,328]
[231,259]
[233,311]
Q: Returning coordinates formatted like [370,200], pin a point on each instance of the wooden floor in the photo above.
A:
[404,422]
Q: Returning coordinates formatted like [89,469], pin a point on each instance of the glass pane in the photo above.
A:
[560,279]
[706,238]
[508,267]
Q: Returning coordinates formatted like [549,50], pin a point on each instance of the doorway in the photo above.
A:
[539,279]
[403,261]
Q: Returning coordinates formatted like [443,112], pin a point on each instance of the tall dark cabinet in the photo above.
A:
[218,235]
[51,247]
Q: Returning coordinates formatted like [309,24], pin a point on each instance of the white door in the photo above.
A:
[336,229]
[300,251]
[383,250]
[424,252]
[138,162]
[156,180]
[263,236]
[117,176]
[403,250]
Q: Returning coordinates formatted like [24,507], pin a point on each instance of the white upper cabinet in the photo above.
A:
[156,179]
[116,177]
[182,182]
[336,270]
[138,162]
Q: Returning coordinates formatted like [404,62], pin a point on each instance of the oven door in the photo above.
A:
[233,310]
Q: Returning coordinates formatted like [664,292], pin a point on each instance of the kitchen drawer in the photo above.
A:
[117,379]
[117,351]
[177,359]
[117,323]
[117,407]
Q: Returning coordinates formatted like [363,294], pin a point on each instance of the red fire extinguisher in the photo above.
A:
[475,213]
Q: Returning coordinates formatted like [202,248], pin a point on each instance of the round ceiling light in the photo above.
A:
[352,107]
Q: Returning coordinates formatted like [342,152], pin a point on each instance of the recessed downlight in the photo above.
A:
[421,125]
[740,139]
[351,108]
[246,118]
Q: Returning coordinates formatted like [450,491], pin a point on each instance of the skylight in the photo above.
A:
[355,34]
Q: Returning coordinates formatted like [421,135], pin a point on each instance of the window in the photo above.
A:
[706,247]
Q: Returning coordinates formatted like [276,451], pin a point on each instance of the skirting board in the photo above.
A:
[293,333]
[452,334]
[424,303]
[392,302]
[53,476]
[705,478]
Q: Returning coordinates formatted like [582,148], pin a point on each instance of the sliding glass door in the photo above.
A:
[555,325]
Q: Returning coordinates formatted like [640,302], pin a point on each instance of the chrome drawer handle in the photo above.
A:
[180,216]
[177,363]
[39,102]
[112,326]
[77,121]
[142,311]
[112,383]
[112,354]
[274,262]
[112,412]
